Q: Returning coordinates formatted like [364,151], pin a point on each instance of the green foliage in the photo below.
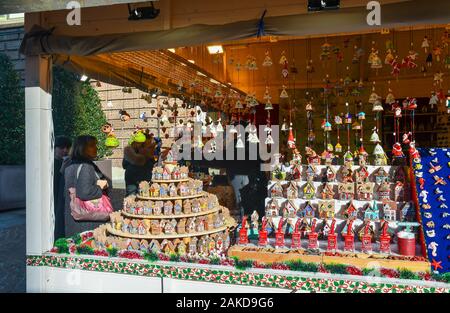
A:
[299,265]
[174,258]
[242,264]
[214,260]
[336,268]
[151,256]
[77,109]
[76,238]
[112,251]
[12,121]
[62,246]
[407,274]
[84,250]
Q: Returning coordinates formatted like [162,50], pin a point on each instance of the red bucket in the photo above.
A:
[407,246]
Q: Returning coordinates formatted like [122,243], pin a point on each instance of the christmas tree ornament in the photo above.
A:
[218,94]
[374,60]
[379,155]
[143,116]
[397,151]
[124,116]
[283,59]
[285,71]
[252,133]
[267,60]
[251,63]
[238,104]
[291,139]
[357,55]
[390,98]
[310,67]
[338,122]
[269,139]
[438,79]
[239,142]
[410,60]
[434,100]
[284,94]
[284,126]
[395,65]
[219,127]
[268,106]
[325,51]
[327,126]
[437,52]
[389,57]
[374,138]
[425,44]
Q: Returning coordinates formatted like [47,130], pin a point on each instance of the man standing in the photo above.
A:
[62,148]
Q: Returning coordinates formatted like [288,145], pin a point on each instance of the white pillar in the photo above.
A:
[39,161]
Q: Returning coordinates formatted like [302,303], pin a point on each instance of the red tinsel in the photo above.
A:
[130,255]
[322,269]
[279,266]
[390,273]
[100,253]
[352,270]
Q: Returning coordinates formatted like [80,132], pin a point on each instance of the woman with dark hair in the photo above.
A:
[87,179]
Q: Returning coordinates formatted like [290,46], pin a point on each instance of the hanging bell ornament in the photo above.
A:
[338,147]
[268,106]
[239,143]
[327,126]
[374,137]
[284,126]
[284,94]
[361,116]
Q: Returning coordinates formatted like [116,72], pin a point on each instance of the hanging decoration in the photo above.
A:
[267,60]
[338,123]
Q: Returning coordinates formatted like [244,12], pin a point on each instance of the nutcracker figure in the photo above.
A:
[385,239]
[243,236]
[312,236]
[262,241]
[332,237]
[296,236]
[279,235]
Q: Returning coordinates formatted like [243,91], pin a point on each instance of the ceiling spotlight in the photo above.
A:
[192,61]
[143,13]
[171,50]
[215,49]
[83,78]
[317,5]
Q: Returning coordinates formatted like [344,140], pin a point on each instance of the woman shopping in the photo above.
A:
[87,204]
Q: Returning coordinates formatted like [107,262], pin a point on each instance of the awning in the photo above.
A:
[416,12]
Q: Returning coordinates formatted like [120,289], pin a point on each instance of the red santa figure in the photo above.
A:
[332,237]
[385,239]
[413,153]
[397,150]
[406,138]
[291,139]
[409,60]
[395,67]
[296,236]
[262,241]
[243,237]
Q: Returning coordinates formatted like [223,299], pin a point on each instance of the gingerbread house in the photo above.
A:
[272,208]
[384,191]
[362,175]
[292,191]
[307,210]
[326,209]
[350,211]
[381,175]
[276,191]
[309,190]
[346,191]
[327,191]
[290,209]
[364,191]
[389,210]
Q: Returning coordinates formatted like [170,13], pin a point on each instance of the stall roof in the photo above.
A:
[26,6]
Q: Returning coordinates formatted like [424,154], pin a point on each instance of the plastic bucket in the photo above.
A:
[406,244]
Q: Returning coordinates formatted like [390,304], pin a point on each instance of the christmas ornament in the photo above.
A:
[389,57]
[267,60]
[251,63]
[291,139]
[410,60]
[374,137]
[284,94]
[374,60]
[325,51]
[425,44]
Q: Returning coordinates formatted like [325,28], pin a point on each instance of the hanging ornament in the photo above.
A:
[389,45]
[438,79]
[124,116]
[252,133]
[327,126]
[111,141]
[434,100]
[238,104]
[374,137]
[285,70]
[143,116]
[310,67]
[390,98]
[447,62]
[357,55]
[325,51]
[397,151]
[283,59]
[284,94]
[291,140]
[218,94]
[395,67]
[437,51]
[219,127]
[284,126]
[267,60]
[374,60]
[374,97]
[410,60]
[389,57]
[251,63]
[406,138]
[269,139]
[379,155]
[425,44]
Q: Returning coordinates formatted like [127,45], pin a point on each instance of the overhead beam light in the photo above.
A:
[215,49]
[83,78]
[192,61]
[171,50]
[143,13]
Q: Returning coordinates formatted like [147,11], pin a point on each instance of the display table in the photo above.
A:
[61,272]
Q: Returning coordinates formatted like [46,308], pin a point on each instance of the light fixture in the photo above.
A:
[215,49]
[192,61]
[83,78]
[317,5]
[171,50]
[143,13]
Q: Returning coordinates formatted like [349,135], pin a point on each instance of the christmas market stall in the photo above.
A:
[316,156]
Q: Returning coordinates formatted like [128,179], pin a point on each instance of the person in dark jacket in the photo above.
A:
[90,184]
[138,162]
[62,148]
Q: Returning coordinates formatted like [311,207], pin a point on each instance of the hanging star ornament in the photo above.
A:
[436,264]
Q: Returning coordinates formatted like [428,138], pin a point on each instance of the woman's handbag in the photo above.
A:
[91,210]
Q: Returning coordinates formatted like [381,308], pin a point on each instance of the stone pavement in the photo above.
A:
[12,251]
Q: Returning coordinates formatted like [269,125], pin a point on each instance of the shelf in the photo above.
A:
[172,198]
[171,216]
[168,181]
[164,236]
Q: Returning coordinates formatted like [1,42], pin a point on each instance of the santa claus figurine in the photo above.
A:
[413,153]
[397,150]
